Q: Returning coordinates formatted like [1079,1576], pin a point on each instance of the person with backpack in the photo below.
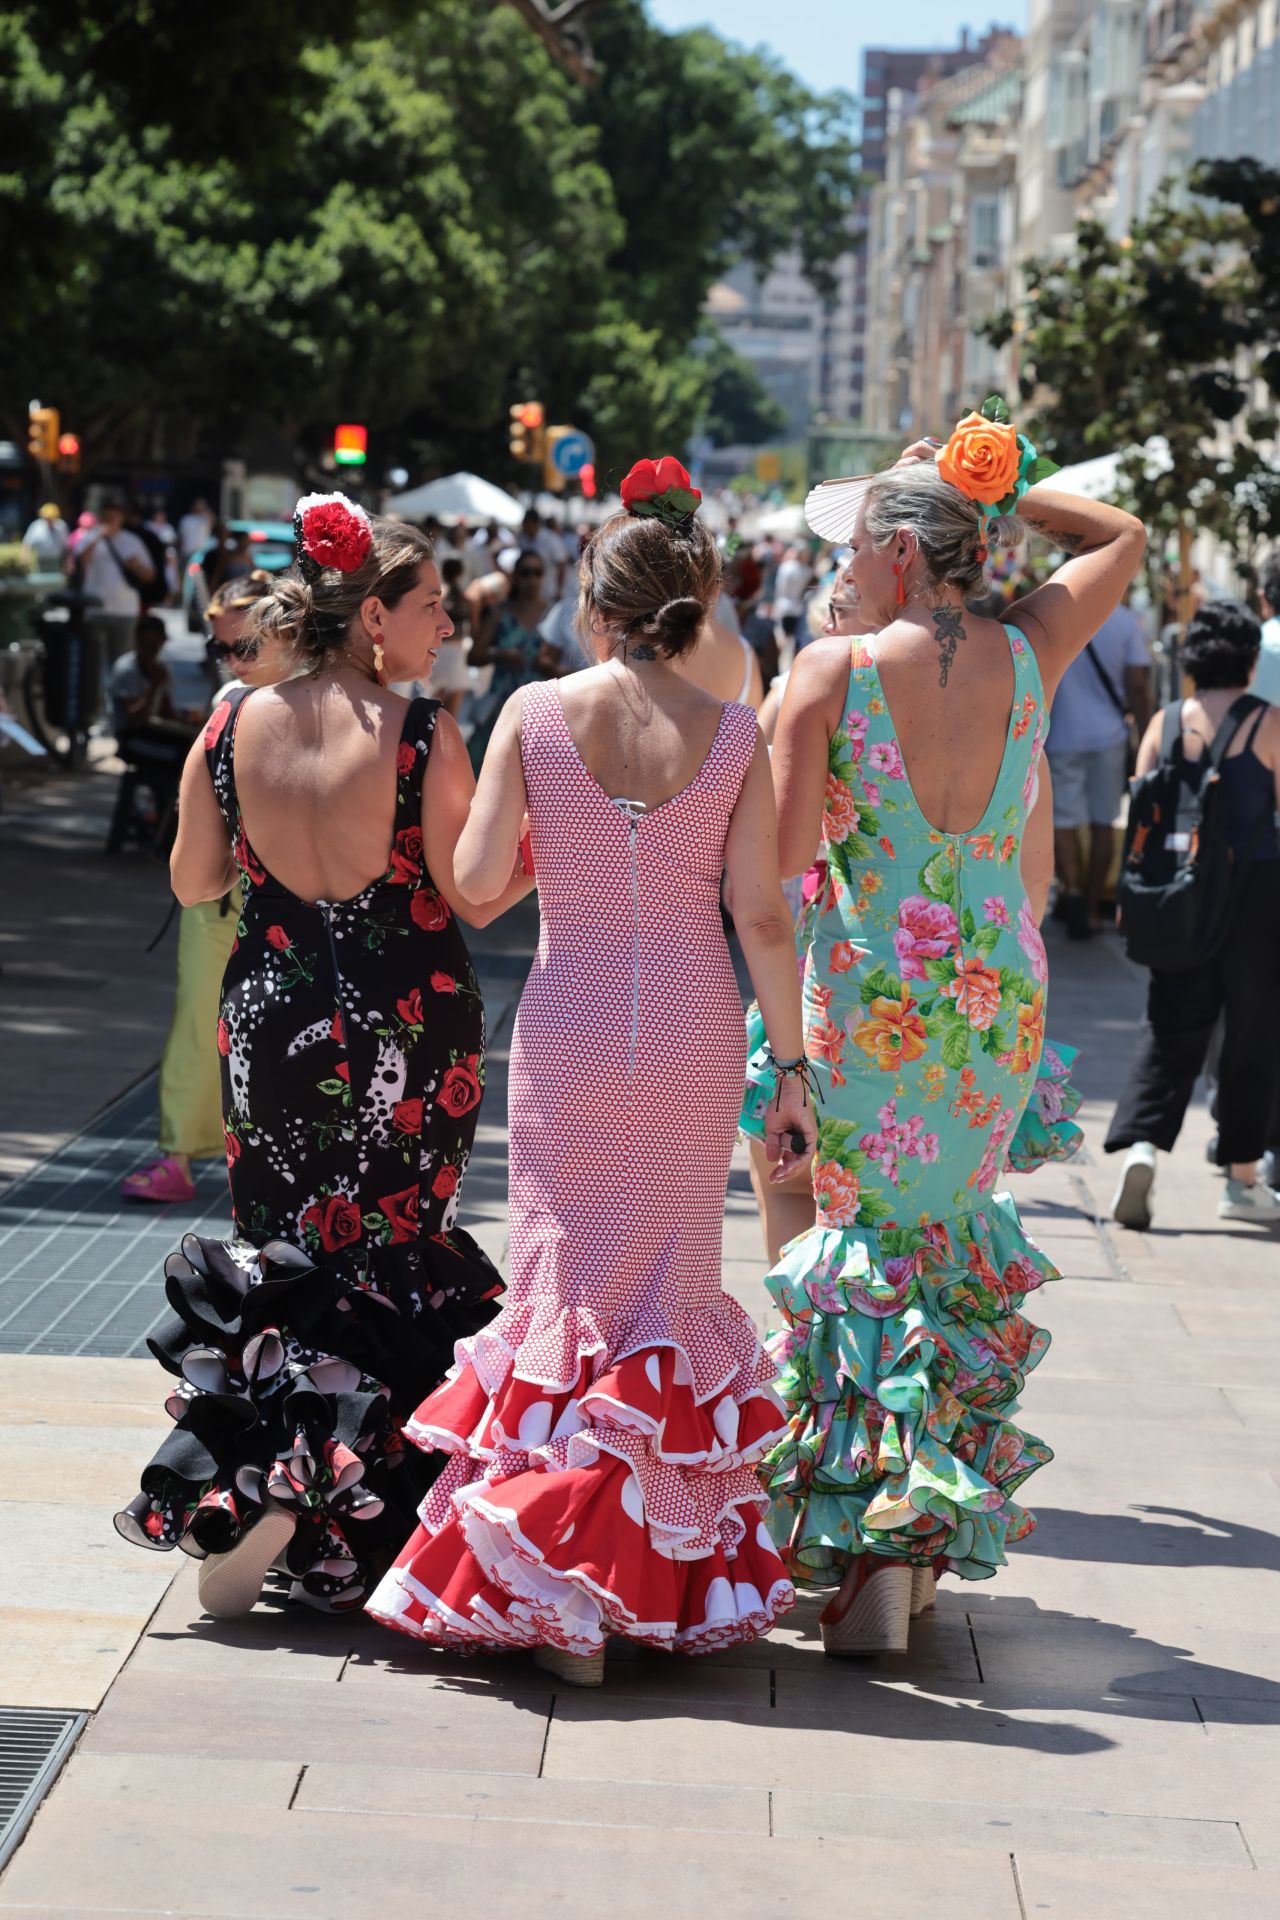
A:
[1088,750]
[1200,906]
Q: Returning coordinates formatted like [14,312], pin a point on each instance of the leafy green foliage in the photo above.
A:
[395,212]
[740,411]
[1159,334]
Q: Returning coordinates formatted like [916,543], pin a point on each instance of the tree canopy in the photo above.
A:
[400,213]
[1169,332]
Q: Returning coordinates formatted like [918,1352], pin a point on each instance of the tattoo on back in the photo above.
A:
[643,652]
[950,624]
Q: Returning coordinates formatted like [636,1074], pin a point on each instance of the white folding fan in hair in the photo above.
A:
[832,507]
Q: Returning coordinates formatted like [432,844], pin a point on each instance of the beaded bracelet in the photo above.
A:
[798,1068]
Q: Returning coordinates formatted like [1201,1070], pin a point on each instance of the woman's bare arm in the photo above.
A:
[1037,844]
[200,866]
[448,797]
[1104,548]
[766,934]
[801,747]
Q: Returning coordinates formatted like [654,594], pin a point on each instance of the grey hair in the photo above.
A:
[946,524]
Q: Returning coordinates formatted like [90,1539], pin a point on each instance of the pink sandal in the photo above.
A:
[162,1183]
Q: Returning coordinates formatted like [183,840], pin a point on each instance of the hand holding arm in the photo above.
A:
[473,864]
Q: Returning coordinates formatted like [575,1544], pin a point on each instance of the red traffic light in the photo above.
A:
[530,415]
[587,480]
[68,446]
[350,445]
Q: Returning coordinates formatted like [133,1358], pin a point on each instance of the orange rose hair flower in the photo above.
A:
[981,459]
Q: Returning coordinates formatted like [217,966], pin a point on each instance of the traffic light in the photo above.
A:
[527,437]
[587,478]
[68,453]
[42,433]
[350,446]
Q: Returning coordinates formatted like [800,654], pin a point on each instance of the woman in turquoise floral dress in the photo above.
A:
[911,754]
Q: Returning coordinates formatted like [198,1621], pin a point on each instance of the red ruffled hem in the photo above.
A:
[566,1559]
[617,1504]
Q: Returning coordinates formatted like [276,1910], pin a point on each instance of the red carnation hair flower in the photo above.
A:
[333,531]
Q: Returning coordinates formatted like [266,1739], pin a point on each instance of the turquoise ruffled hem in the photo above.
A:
[901,1365]
[1046,1131]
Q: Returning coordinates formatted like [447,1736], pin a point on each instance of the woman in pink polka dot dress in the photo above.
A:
[606,1428]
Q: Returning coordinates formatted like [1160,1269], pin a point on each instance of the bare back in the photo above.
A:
[641,737]
[315,768]
[950,688]
[724,665]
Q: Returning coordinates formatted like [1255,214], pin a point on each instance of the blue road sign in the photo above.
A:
[572,452]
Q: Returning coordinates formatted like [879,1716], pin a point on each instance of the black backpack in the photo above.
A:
[1178,880]
[151,592]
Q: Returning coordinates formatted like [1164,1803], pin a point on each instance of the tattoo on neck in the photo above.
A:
[950,624]
[643,652]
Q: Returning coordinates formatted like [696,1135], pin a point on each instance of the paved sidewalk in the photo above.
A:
[1092,1734]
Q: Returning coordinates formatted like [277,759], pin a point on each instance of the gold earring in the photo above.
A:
[377,656]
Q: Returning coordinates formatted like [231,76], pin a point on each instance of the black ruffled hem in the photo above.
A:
[293,1379]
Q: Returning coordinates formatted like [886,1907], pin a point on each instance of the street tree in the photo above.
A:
[402,213]
[1170,332]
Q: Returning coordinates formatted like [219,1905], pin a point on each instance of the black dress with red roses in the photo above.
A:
[351,1036]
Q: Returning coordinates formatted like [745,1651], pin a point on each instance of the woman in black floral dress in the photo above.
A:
[351,1036]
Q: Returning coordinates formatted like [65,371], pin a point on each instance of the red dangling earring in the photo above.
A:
[902,591]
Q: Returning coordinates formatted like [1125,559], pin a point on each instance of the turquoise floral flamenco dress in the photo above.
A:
[905,1350]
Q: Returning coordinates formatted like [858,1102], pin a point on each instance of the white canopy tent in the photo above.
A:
[1097,479]
[783,523]
[458,496]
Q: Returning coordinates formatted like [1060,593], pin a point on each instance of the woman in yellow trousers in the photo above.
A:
[190,1093]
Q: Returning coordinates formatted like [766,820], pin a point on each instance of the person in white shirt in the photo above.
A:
[113,563]
[1088,751]
[48,537]
[1266,678]
[195,528]
[547,544]
[791,583]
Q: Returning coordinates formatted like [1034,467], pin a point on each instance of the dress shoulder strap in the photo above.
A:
[219,752]
[1026,668]
[412,754]
[735,744]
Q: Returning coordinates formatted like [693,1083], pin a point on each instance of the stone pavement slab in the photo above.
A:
[74,1596]
[1094,1733]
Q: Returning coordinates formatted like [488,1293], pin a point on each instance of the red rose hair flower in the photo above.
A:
[660,490]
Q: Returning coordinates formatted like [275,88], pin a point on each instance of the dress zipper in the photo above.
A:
[633,809]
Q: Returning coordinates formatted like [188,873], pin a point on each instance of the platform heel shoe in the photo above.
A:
[575,1669]
[924,1590]
[229,1584]
[871,1613]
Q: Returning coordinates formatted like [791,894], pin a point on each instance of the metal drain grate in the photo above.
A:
[34,1742]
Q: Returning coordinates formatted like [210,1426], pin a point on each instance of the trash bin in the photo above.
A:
[72,669]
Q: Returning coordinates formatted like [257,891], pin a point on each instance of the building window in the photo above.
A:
[984,232]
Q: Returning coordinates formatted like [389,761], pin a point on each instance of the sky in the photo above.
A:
[822,40]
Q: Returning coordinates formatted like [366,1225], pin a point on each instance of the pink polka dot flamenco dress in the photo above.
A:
[605,1429]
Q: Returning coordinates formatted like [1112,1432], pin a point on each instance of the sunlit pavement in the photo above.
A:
[1092,1733]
